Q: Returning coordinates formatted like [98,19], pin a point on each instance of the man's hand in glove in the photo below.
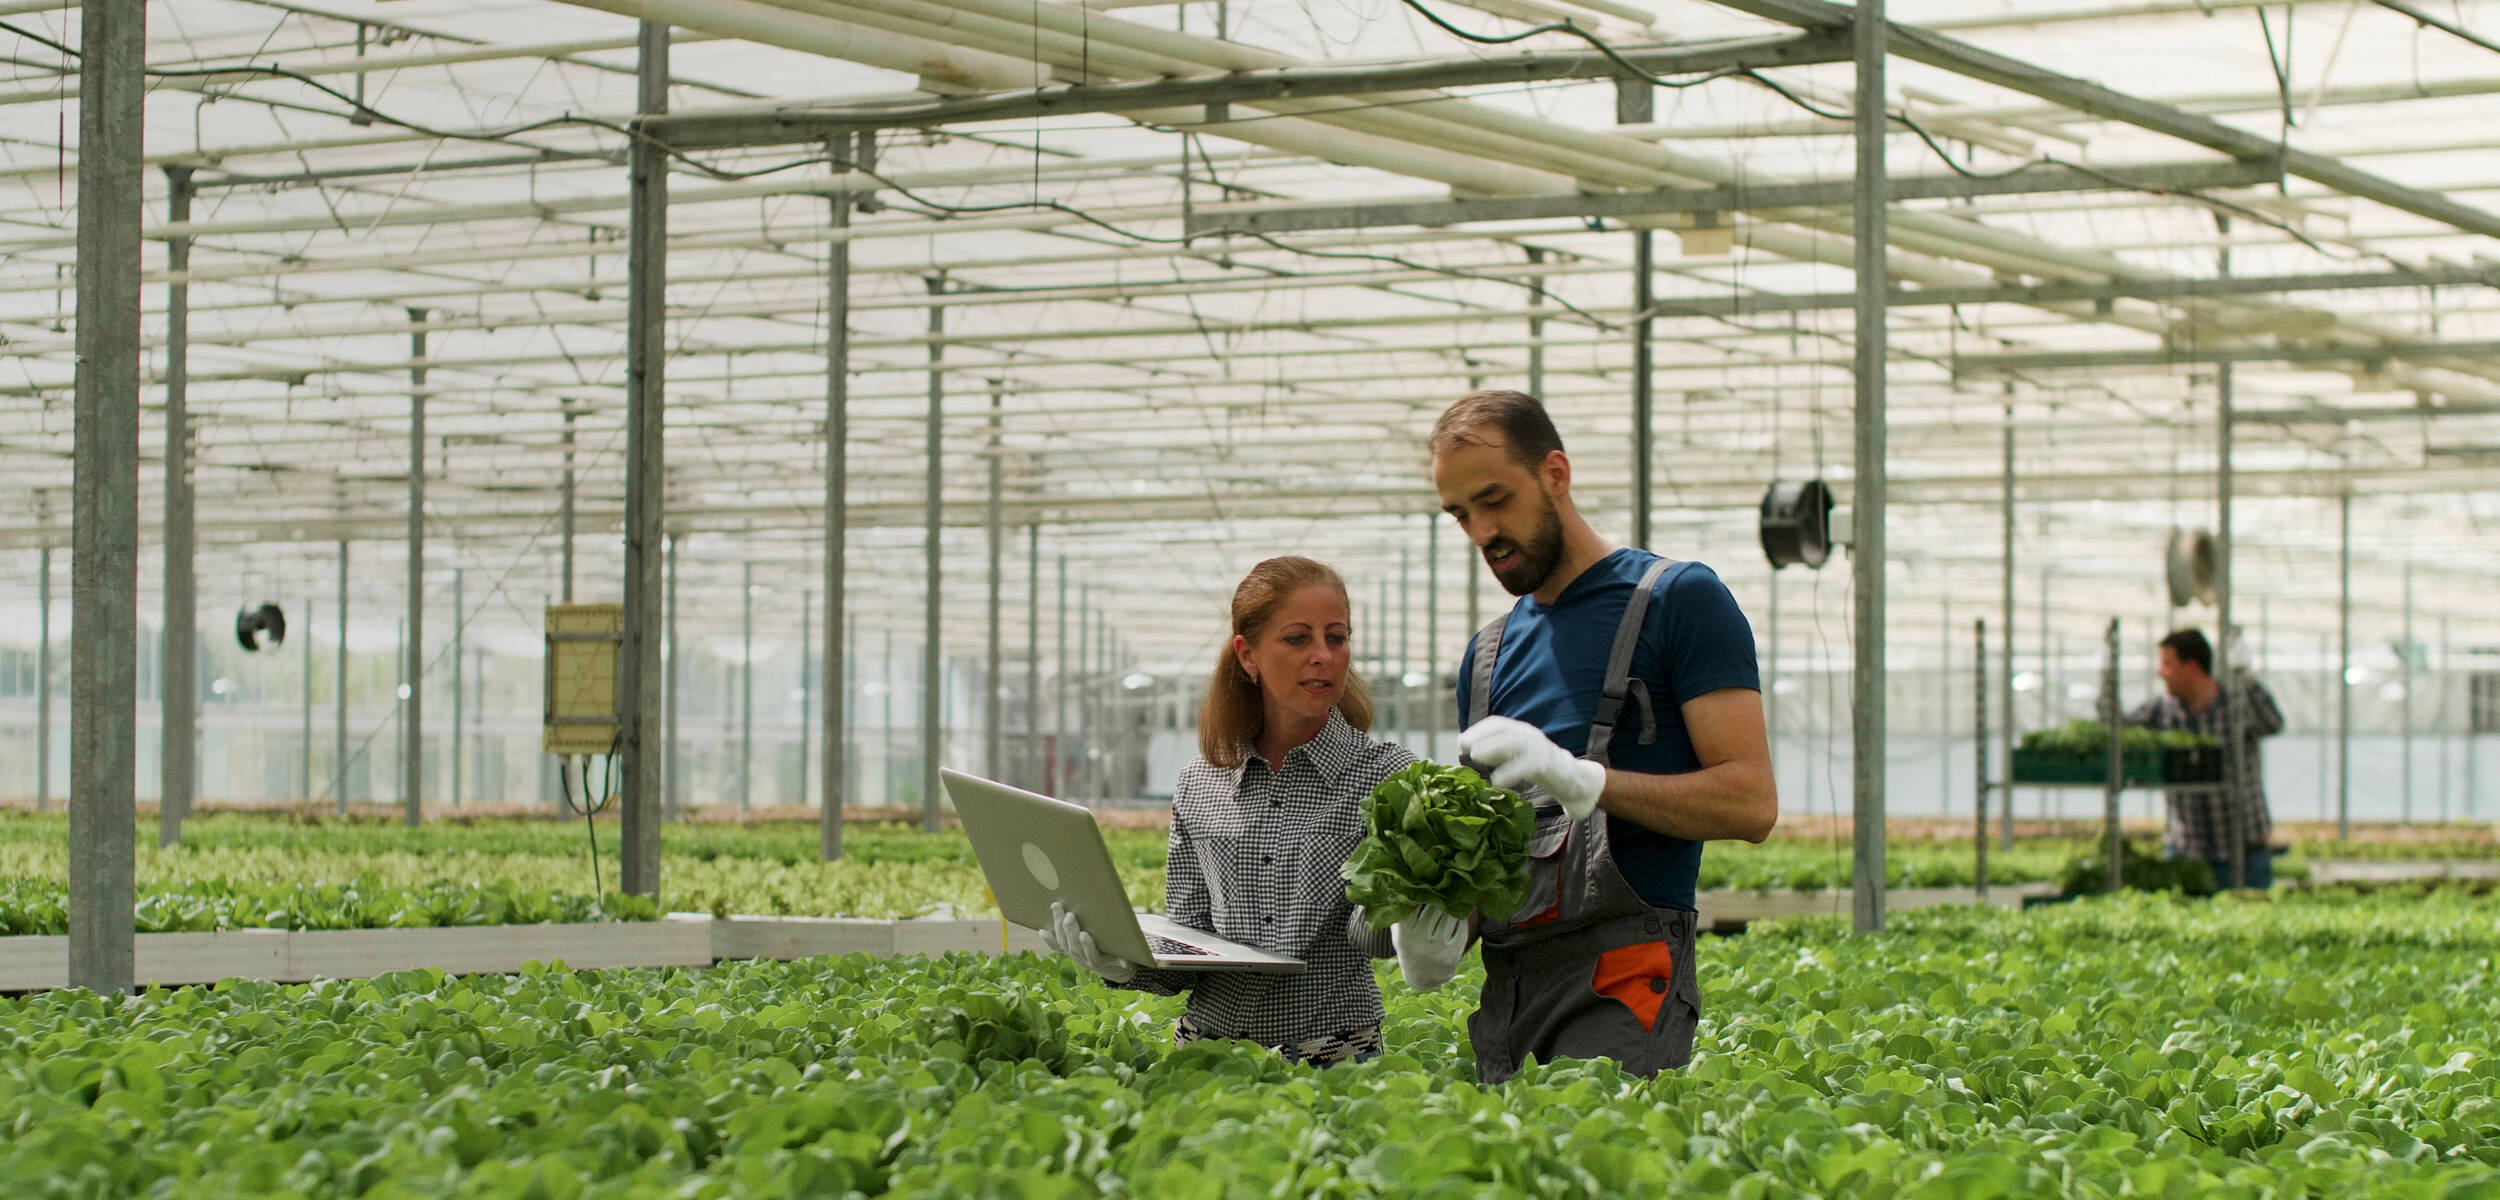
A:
[1066,936]
[1429,945]
[1520,754]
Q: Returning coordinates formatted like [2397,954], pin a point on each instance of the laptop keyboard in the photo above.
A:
[1169,948]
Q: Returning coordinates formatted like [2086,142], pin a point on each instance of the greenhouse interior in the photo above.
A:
[697,598]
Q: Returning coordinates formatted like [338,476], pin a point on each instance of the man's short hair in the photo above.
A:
[1516,418]
[2190,646]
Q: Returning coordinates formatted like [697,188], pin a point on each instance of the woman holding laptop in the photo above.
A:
[1263,820]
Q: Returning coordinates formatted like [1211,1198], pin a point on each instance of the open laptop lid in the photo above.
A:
[1034,850]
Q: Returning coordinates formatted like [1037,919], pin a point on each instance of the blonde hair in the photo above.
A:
[1235,711]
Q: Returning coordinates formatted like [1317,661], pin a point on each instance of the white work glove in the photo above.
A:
[1066,936]
[1429,945]
[1520,754]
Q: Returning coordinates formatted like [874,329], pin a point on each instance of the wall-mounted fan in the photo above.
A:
[256,627]
[1797,523]
[2191,566]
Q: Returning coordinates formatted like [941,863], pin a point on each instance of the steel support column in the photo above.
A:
[2404,703]
[1536,328]
[303,775]
[932,649]
[641,721]
[565,502]
[2005,680]
[1032,655]
[807,680]
[43,679]
[2343,671]
[997,532]
[459,682]
[178,675]
[746,686]
[837,518]
[2238,819]
[1866,555]
[1432,630]
[412,646]
[104,577]
[672,777]
[1979,753]
[338,698]
[1059,687]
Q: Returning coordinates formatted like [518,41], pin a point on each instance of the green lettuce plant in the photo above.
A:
[1441,836]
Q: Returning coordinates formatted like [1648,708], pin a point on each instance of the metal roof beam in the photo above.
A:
[1962,58]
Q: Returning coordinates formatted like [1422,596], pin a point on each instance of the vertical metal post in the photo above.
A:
[2343,672]
[1432,630]
[1944,714]
[178,680]
[1979,752]
[104,577]
[932,645]
[412,651]
[303,777]
[2112,851]
[746,686]
[990,699]
[2239,821]
[2443,739]
[1033,654]
[807,680]
[338,697]
[887,739]
[567,501]
[641,717]
[459,682]
[1475,601]
[1536,330]
[1771,673]
[1059,701]
[1636,104]
[2404,704]
[399,691]
[2005,681]
[1405,645]
[837,519]
[1866,556]
[1081,772]
[43,679]
[672,778]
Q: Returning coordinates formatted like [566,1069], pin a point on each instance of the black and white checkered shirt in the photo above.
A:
[1255,855]
[2198,824]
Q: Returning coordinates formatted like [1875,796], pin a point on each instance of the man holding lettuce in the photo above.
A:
[1620,695]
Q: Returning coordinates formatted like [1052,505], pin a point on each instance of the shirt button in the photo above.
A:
[1275,804]
[1658,983]
[1268,920]
[1267,858]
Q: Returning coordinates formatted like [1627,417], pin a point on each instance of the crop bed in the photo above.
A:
[2320,1045]
[237,871]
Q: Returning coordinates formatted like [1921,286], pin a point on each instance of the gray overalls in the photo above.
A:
[1585,968]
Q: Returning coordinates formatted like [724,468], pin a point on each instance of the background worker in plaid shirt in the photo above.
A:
[2201,818]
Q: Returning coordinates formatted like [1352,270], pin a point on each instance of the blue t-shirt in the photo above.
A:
[1552,667]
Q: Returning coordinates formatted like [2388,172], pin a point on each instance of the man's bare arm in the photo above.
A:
[1731,796]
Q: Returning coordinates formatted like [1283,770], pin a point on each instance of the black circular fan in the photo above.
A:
[255,627]
[1796,523]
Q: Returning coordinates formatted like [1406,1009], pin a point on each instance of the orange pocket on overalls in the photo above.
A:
[1639,976]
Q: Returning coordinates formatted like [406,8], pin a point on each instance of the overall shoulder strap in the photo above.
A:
[1480,669]
[1619,682]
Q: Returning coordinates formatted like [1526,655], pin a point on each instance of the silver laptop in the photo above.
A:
[1036,850]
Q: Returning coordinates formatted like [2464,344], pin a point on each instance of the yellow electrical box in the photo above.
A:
[584,642]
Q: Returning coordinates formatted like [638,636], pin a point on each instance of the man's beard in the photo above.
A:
[1537,558]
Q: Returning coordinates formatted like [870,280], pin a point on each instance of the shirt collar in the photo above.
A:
[1332,749]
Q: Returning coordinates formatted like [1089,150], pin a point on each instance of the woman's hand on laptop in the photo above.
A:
[1068,937]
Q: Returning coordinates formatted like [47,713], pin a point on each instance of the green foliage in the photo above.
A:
[2135,1046]
[2138,871]
[1440,836]
[2085,738]
[41,906]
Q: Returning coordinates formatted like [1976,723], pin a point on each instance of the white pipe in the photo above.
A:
[769,25]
